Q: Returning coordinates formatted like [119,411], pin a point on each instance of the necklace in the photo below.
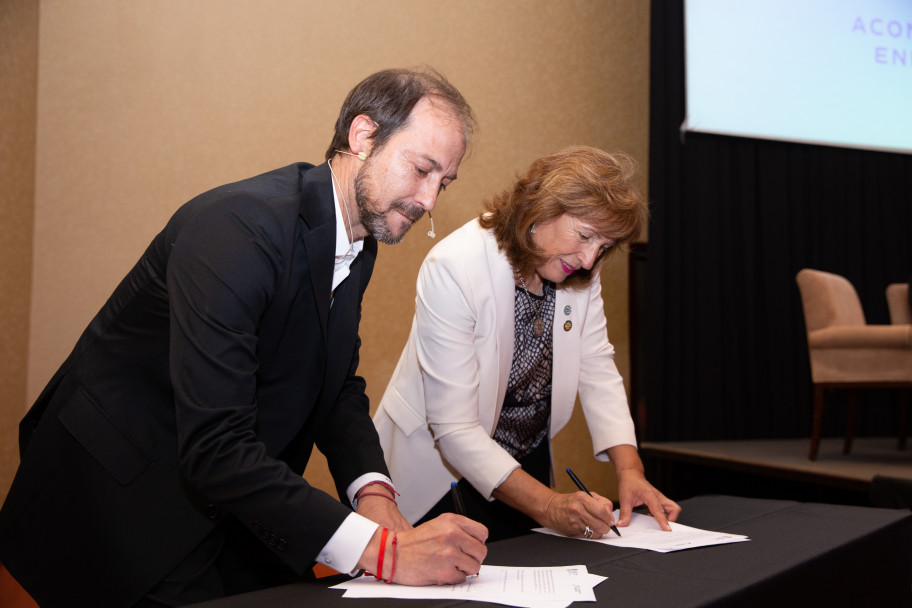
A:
[538,325]
[351,232]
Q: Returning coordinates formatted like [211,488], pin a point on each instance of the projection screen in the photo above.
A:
[832,72]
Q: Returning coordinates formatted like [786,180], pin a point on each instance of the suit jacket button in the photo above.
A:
[212,512]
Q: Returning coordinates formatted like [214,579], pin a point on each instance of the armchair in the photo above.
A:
[847,353]
[899,304]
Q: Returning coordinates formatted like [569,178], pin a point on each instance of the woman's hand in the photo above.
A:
[571,514]
[634,490]
[568,514]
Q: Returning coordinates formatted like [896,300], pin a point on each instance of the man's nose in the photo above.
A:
[427,195]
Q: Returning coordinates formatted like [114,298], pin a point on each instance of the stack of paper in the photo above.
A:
[644,533]
[555,587]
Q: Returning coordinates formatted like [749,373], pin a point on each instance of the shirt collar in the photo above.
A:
[345,250]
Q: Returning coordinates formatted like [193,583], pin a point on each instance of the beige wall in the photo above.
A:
[18,88]
[143,104]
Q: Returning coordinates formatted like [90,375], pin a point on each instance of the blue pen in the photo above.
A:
[460,508]
[457,499]
[579,484]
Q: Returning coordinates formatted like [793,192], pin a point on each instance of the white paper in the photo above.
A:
[644,533]
[553,587]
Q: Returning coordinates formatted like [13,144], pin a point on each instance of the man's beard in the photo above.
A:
[376,222]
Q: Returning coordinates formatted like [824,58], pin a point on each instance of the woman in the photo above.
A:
[509,327]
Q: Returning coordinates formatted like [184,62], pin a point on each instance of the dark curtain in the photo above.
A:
[734,220]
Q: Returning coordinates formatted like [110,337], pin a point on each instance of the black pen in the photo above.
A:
[579,484]
[457,499]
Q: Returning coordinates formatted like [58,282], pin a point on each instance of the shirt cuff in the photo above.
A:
[346,546]
[362,481]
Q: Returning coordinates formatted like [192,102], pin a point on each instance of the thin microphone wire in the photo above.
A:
[362,156]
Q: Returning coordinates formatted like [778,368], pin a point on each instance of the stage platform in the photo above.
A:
[875,471]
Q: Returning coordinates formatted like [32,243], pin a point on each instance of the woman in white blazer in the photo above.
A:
[509,327]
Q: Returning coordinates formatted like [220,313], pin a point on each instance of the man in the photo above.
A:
[162,464]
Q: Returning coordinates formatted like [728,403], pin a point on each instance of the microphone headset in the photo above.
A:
[362,156]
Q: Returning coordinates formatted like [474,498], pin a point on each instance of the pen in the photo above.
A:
[457,499]
[579,484]
[460,508]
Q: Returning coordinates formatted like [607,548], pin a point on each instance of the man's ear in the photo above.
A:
[359,134]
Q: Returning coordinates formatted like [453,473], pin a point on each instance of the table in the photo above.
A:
[800,554]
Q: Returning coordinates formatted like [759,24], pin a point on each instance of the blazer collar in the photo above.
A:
[317,196]
[502,288]
[319,235]
[570,305]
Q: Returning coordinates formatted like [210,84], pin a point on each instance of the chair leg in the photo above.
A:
[903,420]
[851,410]
[816,421]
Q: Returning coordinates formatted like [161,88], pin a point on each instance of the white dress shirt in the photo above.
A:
[345,547]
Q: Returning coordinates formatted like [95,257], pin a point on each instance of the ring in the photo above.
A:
[588,532]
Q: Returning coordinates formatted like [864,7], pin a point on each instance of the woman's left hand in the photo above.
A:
[634,490]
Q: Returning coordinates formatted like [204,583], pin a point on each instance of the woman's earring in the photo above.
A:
[532,229]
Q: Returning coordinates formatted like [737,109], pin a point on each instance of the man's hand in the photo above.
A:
[383,511]
[442,551]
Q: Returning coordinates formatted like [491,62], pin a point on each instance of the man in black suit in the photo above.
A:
[163,462]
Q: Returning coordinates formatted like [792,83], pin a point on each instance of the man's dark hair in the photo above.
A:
[388,98]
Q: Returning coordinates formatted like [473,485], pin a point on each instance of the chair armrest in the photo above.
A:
[898,303]
[862,336]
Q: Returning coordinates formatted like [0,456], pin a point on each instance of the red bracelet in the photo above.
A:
[378,482]
[395,550]
[382,551]
[386,496]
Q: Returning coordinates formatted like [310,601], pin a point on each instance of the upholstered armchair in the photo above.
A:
[898,303]
[847,353]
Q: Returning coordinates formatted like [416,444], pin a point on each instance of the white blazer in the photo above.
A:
[443,402]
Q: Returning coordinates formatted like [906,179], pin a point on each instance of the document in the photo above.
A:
[554,587]
[644,533]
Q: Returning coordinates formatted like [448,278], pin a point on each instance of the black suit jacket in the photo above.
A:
[197,393]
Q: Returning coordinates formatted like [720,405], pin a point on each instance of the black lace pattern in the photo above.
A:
[523,422]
